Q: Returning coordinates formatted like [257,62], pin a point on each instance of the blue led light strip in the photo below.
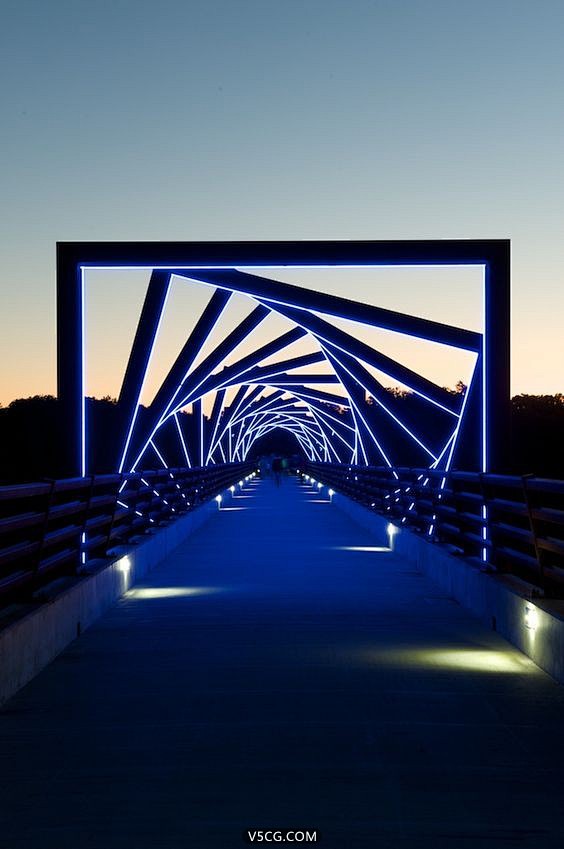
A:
[235,428]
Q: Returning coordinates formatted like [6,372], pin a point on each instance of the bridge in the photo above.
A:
[355,652]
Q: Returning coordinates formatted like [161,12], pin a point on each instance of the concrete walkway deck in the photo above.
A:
[278,672]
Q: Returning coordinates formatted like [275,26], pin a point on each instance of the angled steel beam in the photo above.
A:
[197,412]
[226,414]
[199,375]
[350,345]
[214,419]
[362,424]
[139,358]
[317,394]
[182,441]
[322,410]
[278,293]
[190,350]
[384,400]
[285,379]
[334,432]
[232,374]
[259,374]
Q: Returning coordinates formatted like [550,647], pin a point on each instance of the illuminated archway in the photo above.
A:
[326,409]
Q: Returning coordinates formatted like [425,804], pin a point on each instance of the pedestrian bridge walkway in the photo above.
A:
[283,670]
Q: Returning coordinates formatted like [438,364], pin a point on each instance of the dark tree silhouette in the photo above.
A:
[32,435]
[538,435]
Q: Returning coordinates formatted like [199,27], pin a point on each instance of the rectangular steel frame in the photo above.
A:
[492,254]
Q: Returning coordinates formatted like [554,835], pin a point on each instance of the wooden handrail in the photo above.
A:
[54,528]
[500,521]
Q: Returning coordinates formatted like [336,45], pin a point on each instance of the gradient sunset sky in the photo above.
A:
[246,120]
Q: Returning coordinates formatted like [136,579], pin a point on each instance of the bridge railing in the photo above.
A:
[54,528]
[502,523]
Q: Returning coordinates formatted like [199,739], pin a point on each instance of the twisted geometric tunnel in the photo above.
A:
[318,396]
[265,355]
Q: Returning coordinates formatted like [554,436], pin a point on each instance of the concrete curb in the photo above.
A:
[534,625]
[31,642]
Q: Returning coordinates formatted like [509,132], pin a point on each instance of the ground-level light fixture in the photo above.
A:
[531,617]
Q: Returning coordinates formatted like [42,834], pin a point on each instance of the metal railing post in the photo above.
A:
[532,526]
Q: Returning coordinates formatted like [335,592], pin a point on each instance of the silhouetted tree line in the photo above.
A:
[32,435]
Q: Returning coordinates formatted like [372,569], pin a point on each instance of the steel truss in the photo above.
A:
[324,408]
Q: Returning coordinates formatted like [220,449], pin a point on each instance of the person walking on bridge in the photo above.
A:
[277,470]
